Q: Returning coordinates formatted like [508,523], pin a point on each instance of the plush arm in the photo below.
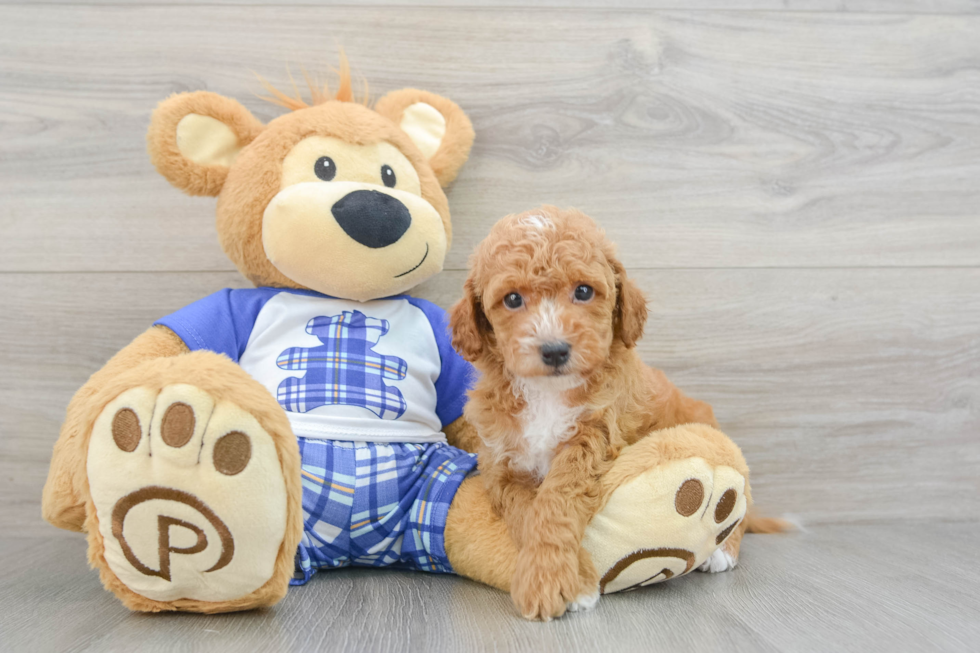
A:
[62,504]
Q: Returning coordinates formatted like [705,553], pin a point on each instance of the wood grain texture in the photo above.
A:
[721,139]
[868,588]
[792,182]
[854,394]
[850,6]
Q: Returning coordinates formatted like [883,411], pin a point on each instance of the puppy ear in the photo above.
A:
[436,125]
[631,308]
[469,324]
[195,137]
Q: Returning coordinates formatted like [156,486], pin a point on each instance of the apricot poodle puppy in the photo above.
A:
[550,320]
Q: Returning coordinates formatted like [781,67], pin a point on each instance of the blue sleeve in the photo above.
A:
[221,322]
[457,375]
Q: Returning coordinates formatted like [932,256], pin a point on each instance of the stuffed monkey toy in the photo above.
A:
[257,436]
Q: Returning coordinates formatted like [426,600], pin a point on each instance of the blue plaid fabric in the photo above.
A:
[377,505]
[344,369]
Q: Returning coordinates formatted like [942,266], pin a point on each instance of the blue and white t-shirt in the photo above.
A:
[377,371]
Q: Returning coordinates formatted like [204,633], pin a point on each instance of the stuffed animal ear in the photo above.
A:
[195,137]
[437,126]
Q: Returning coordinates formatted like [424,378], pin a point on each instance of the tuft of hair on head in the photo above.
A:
[319,93]
[537,221]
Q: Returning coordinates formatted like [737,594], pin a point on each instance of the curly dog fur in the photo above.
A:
[549,431]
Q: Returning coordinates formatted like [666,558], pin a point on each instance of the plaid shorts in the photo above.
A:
[377,505]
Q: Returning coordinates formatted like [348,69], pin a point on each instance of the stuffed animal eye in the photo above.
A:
[584,293]
[388,176]
[513,301]
[324,168]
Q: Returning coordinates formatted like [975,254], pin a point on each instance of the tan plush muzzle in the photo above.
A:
[351,239]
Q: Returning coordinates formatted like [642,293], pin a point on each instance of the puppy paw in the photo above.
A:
[719,561]
[585,601]
[544,584]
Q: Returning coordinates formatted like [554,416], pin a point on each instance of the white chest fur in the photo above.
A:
[547,421]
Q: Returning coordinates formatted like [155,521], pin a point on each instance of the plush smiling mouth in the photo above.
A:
[424,256]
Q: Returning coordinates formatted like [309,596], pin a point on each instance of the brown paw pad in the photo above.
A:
[177,426]
[689,496]
[126,431]
[728,531]
[725,505]
[175,431]
[232,453]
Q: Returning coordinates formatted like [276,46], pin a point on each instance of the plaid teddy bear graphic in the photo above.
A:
[344,370]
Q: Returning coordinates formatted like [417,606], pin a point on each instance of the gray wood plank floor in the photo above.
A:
[794,183]
[869,588]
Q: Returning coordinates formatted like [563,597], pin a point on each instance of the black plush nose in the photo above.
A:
[555,354]
[372,218]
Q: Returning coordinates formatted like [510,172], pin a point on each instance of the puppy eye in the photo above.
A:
[584,293]
[513,301]
[388,176]
[324,168]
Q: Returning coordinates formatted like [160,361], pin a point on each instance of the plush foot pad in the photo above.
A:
[189,495]
[664,523]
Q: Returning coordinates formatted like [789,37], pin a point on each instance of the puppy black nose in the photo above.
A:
[372,218]
[555,354]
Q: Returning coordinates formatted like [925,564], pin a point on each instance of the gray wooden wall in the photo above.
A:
[796,185]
